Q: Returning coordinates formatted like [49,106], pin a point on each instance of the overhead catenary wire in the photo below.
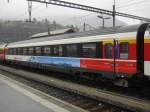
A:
[133,9]
[124,2]
[89,8]
[131,4]
[124,6]
[26,13]
[79,17]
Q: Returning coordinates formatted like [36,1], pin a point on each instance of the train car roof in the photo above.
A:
[105,31]
[2,45]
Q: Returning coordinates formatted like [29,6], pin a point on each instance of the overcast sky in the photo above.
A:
[18,10]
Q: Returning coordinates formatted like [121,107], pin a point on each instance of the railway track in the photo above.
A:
[86,97]
[138,91]
[86,104]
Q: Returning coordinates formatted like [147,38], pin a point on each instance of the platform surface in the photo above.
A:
[16,99]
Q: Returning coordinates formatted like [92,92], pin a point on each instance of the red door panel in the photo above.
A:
[126,67]
[100,65]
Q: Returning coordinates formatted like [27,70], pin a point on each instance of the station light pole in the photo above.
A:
[103,19]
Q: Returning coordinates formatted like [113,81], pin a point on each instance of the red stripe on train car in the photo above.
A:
[126,67]
[100,65]
[147,51]
[132,52]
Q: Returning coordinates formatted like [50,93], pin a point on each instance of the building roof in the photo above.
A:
[52,33]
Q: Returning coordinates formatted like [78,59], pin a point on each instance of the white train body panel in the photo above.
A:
[18,57]
[147,68]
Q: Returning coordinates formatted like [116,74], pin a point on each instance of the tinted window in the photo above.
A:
[89,50]
[72,50]
[99,51]
[14,51]
[56,50]
[47,50]
[60,50]
[124,48]
[108,51]
[25,51]
[31,51]
[38,50]
[10,51]
[19,51]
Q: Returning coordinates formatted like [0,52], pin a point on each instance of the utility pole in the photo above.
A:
[114,13]
[46,3]
[30,10]
[84,27]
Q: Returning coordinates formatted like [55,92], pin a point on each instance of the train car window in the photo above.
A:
[108,51]
[72,50]
[56,50]
[99,49]
[60,50]
[15,51]
[38,50]
[89,50]
[47,50]
[10,51]
[25,51]
[31,51]
[19,51]
[124,50]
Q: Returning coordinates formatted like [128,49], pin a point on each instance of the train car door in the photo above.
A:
[115,56]
[109,62]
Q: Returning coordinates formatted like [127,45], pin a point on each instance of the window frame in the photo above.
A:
[38,53]
[26,51]
[50,51]
[19,50]
[15,51]
[10,51]
[61,52]
[107,55]
[29,51]
[95,55]
[55,51]
[120,51]
[69,46]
